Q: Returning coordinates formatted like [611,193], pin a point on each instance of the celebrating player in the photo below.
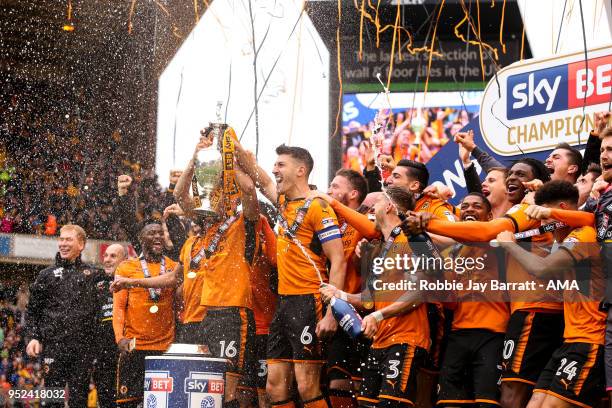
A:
[309,237]
[574,373]
[143,319]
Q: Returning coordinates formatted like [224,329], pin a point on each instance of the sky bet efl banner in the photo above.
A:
[532,106]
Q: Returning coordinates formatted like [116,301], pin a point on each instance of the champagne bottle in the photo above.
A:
[346,316]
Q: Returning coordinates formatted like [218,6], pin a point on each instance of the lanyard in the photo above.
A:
[206,252]
[153,293]
[383,254]
[389,243]
[299,219]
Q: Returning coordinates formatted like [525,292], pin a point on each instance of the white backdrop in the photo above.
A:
[294,106]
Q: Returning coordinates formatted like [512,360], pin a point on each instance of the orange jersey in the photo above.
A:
[193,311]
[296,273]
[350,239]
[435,206]
[153,331]
[584,321]
[412,327]
[226,274]
[539,298]
[264,299]
[478,309]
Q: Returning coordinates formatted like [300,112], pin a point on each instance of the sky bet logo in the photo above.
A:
[202,385]
[559,88]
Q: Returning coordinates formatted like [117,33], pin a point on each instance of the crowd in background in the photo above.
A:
[415,134]
[17,370]
[59,166]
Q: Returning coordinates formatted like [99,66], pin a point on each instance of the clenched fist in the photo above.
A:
[123,184]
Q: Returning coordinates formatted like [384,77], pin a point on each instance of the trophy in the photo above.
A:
[208,170]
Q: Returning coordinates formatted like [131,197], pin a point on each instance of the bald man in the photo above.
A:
[106,358]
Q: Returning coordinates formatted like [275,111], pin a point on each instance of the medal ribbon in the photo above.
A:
[290,231]
[383,254]
[153,293]
[214,242]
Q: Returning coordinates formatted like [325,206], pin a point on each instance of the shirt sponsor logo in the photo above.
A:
[327,222]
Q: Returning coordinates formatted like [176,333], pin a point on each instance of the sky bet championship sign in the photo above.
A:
[532,106]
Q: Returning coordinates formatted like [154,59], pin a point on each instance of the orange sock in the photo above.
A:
[318,402]
[283,404]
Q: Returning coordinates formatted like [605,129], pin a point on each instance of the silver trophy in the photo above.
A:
[208,172]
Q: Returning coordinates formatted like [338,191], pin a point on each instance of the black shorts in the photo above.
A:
[131,374]
[344,357]
[256,368]
[472,368]
[227,332]
[391,373]
[531,339]
[575,374]
[437,330]
[190,333]
[292,331]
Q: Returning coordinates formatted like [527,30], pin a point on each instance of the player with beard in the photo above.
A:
[479,322]
[345,355]
[574,374]
[535,326]
[143,320]
[413,177]
[399,324]
[309,237]
[564,163]
[585,183]
[218,304]
[598,212]
[106,359]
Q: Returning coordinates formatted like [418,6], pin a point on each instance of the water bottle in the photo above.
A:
[346,316]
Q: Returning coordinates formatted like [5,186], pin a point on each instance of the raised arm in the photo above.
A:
[172,279]
[250,205]
[248,163]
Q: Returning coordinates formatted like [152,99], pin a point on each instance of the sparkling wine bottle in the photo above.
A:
[346,316]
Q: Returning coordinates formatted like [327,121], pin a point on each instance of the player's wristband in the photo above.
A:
[377,315]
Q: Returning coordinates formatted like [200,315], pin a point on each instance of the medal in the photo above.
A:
[191,275]
[153,309]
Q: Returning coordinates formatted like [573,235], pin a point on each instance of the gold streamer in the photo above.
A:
[501,27]
[360,55]
[338,50]
[480,41]
[130,15]
[392,55]
[433,41]
[195,10]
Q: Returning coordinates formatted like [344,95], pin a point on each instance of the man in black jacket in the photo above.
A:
[61,317]
[105,375]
